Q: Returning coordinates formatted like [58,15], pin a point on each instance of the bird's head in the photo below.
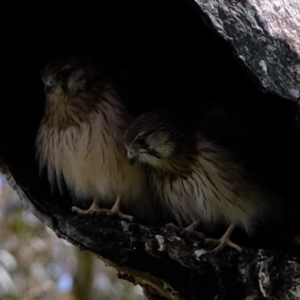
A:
[68,75]
[149,139]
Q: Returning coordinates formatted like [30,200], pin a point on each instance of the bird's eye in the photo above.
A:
[141,141]
[64,74]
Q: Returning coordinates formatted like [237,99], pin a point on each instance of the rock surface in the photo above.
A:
[265,36]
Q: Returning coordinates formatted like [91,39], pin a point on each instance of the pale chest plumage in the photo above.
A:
[214,190]
[90,155]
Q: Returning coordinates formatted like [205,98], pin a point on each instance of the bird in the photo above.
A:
[80,138]
[197,179]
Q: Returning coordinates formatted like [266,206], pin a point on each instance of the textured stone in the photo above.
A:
[265,36]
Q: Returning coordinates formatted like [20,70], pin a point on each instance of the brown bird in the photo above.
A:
[195,178]
[80,140]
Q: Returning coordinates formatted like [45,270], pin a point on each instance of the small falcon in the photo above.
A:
[195,178]
[80,139]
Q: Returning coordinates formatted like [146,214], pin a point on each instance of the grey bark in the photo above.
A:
[170,264]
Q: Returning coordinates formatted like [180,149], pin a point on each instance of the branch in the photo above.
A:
[171,265]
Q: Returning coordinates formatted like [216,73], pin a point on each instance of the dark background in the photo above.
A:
[167,43]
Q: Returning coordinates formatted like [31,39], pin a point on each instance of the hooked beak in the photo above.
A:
[48,87]
[132,156]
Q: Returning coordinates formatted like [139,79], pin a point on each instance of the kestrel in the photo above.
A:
[194,177]
[80,139]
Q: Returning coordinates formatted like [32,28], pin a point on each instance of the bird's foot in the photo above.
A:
[189,230]
[94,209]
[99,211]
[117,212]
[222,242]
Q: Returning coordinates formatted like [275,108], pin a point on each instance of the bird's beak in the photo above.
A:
[48,87]
[132,156]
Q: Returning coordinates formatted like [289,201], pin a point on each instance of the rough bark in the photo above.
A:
[172,265]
